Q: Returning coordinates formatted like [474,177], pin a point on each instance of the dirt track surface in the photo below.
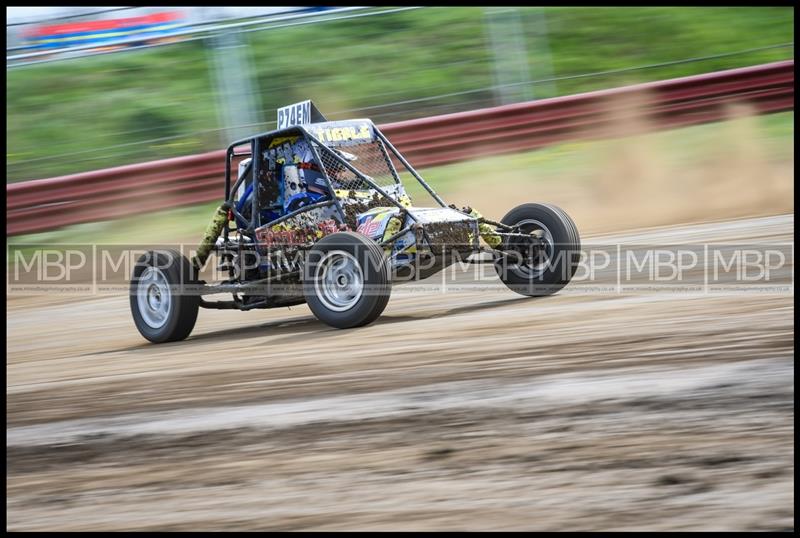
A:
[472,409]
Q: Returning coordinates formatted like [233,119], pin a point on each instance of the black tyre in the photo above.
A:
[163,305]
[551,268]
[347,281]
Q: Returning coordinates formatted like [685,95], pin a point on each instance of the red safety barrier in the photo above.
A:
[46,204]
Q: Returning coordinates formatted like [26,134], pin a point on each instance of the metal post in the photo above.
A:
[511,74]
[542,65]
[238,107]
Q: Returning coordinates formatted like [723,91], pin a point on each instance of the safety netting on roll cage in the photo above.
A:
[372,159]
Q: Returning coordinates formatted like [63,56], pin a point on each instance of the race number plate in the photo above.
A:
[298,114]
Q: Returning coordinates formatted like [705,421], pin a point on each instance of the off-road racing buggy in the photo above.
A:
[318,214]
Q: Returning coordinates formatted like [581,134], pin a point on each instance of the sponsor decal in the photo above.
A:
[374,223]
[334,133]
[281,235]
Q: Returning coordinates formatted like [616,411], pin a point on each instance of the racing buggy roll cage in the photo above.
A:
[325,157]
[316,146]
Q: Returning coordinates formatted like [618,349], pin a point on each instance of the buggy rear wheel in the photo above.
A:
[553,265]
[162,307]
[346,281]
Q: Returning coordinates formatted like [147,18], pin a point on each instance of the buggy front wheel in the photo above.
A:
[346,281]
[552,265]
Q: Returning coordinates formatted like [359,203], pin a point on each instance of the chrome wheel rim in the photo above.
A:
[339,281]
[153,297]
[530,226]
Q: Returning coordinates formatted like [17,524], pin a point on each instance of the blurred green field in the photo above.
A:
[572,174]
[143,105]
